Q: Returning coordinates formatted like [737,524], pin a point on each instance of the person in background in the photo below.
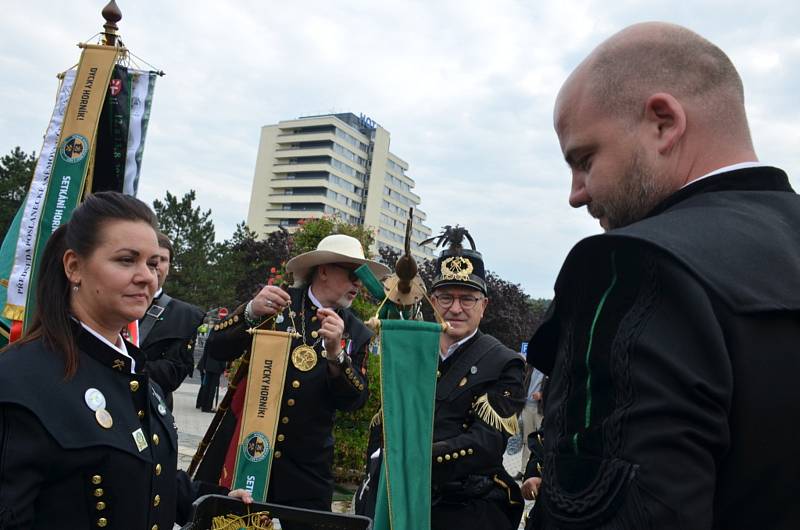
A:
[167,331]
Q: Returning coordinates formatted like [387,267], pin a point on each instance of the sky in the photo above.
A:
[465,88]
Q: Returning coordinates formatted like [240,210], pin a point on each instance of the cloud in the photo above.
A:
[465,88]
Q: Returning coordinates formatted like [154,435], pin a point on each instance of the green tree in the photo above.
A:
[511,317]
[194,275]
[312,231]
[250,261]
[16,172]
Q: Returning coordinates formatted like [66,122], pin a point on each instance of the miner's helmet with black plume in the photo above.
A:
[456,265]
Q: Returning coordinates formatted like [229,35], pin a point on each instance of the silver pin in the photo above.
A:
[473,370]
[94,399]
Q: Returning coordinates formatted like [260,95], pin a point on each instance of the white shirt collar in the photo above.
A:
[733,167]
[122,349]
[314,299]
[158,293]
[453,347]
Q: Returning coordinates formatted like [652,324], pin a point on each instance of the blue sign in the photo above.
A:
[524,348]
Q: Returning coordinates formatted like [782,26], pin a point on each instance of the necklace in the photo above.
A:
[304,357]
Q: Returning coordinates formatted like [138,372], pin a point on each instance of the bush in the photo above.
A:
[351,431]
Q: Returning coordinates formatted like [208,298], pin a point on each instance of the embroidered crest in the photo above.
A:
[456,268]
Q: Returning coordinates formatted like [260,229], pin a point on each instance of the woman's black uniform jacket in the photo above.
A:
[59,468]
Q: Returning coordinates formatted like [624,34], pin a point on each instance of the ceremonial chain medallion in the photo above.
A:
[304,357]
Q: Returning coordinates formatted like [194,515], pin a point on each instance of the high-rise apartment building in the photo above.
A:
[336,165]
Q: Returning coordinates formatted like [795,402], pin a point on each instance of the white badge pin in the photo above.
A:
[140,439]
[94,399]
[162,409]
[473,370]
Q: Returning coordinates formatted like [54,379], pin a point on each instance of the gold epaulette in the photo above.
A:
[490,416]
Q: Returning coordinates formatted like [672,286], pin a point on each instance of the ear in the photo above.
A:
[72,266]
[667,119]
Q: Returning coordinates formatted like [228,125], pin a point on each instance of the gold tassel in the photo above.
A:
[490,416]
[13,312]
[253,521]
[376,420]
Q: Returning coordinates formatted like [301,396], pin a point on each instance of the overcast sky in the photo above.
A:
[465,88]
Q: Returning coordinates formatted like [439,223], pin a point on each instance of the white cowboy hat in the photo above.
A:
[336,248]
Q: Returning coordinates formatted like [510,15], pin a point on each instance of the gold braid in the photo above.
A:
[490,416]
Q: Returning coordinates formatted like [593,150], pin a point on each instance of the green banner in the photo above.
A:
[409,359]
[74,151]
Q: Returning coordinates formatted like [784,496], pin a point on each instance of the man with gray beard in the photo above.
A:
[672,338]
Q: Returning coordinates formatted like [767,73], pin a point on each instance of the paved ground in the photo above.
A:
[192,425]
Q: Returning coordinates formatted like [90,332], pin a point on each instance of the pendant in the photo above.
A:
[103,418]
[304,358]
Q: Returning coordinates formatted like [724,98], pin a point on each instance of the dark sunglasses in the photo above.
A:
[351,271]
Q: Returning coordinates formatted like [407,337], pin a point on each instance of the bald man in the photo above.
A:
[673,342]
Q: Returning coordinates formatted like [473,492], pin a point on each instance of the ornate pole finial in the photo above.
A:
[112,14]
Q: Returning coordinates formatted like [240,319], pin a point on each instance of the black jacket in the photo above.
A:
[59,468]
[672,346]
[170,344]
[301,468]
[479,393]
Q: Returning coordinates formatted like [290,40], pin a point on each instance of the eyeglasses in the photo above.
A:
[466,301]
[351,271]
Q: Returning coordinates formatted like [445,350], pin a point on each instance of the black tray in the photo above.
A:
[207,507]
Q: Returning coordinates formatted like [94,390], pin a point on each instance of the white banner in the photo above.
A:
[141,100]
[34,202]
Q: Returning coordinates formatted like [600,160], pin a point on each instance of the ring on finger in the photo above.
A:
[268,303]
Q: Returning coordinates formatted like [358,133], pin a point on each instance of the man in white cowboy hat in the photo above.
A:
[327,370]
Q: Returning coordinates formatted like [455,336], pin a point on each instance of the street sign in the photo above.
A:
[223,312]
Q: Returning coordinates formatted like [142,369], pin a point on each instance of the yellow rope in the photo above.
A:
[253,521]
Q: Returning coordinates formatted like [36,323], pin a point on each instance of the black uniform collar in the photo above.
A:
[100,352]
[759,178]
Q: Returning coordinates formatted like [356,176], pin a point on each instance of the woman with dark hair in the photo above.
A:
[86,440]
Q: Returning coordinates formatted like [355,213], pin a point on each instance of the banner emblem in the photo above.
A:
[115,87]
[257,447]
[74,148]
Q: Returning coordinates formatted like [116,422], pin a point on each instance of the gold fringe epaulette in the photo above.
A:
[377,419]
[490,416]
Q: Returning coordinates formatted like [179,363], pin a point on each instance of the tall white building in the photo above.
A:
[336,165]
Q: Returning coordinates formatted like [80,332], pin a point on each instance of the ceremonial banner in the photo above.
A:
[108,170]
[262,404]
[409,359]
[17,251]
[75,145]
[141,102]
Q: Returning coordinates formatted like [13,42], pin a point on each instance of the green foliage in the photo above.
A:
[248,260]
[195,276]
[16,172]
[312,231]
[351,430]
[511,317]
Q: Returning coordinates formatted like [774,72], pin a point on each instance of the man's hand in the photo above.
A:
[530,488]
[270,301]
[537,396]
[331,329]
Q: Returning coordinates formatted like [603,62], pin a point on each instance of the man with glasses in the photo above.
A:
[327,370]
[479,393]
